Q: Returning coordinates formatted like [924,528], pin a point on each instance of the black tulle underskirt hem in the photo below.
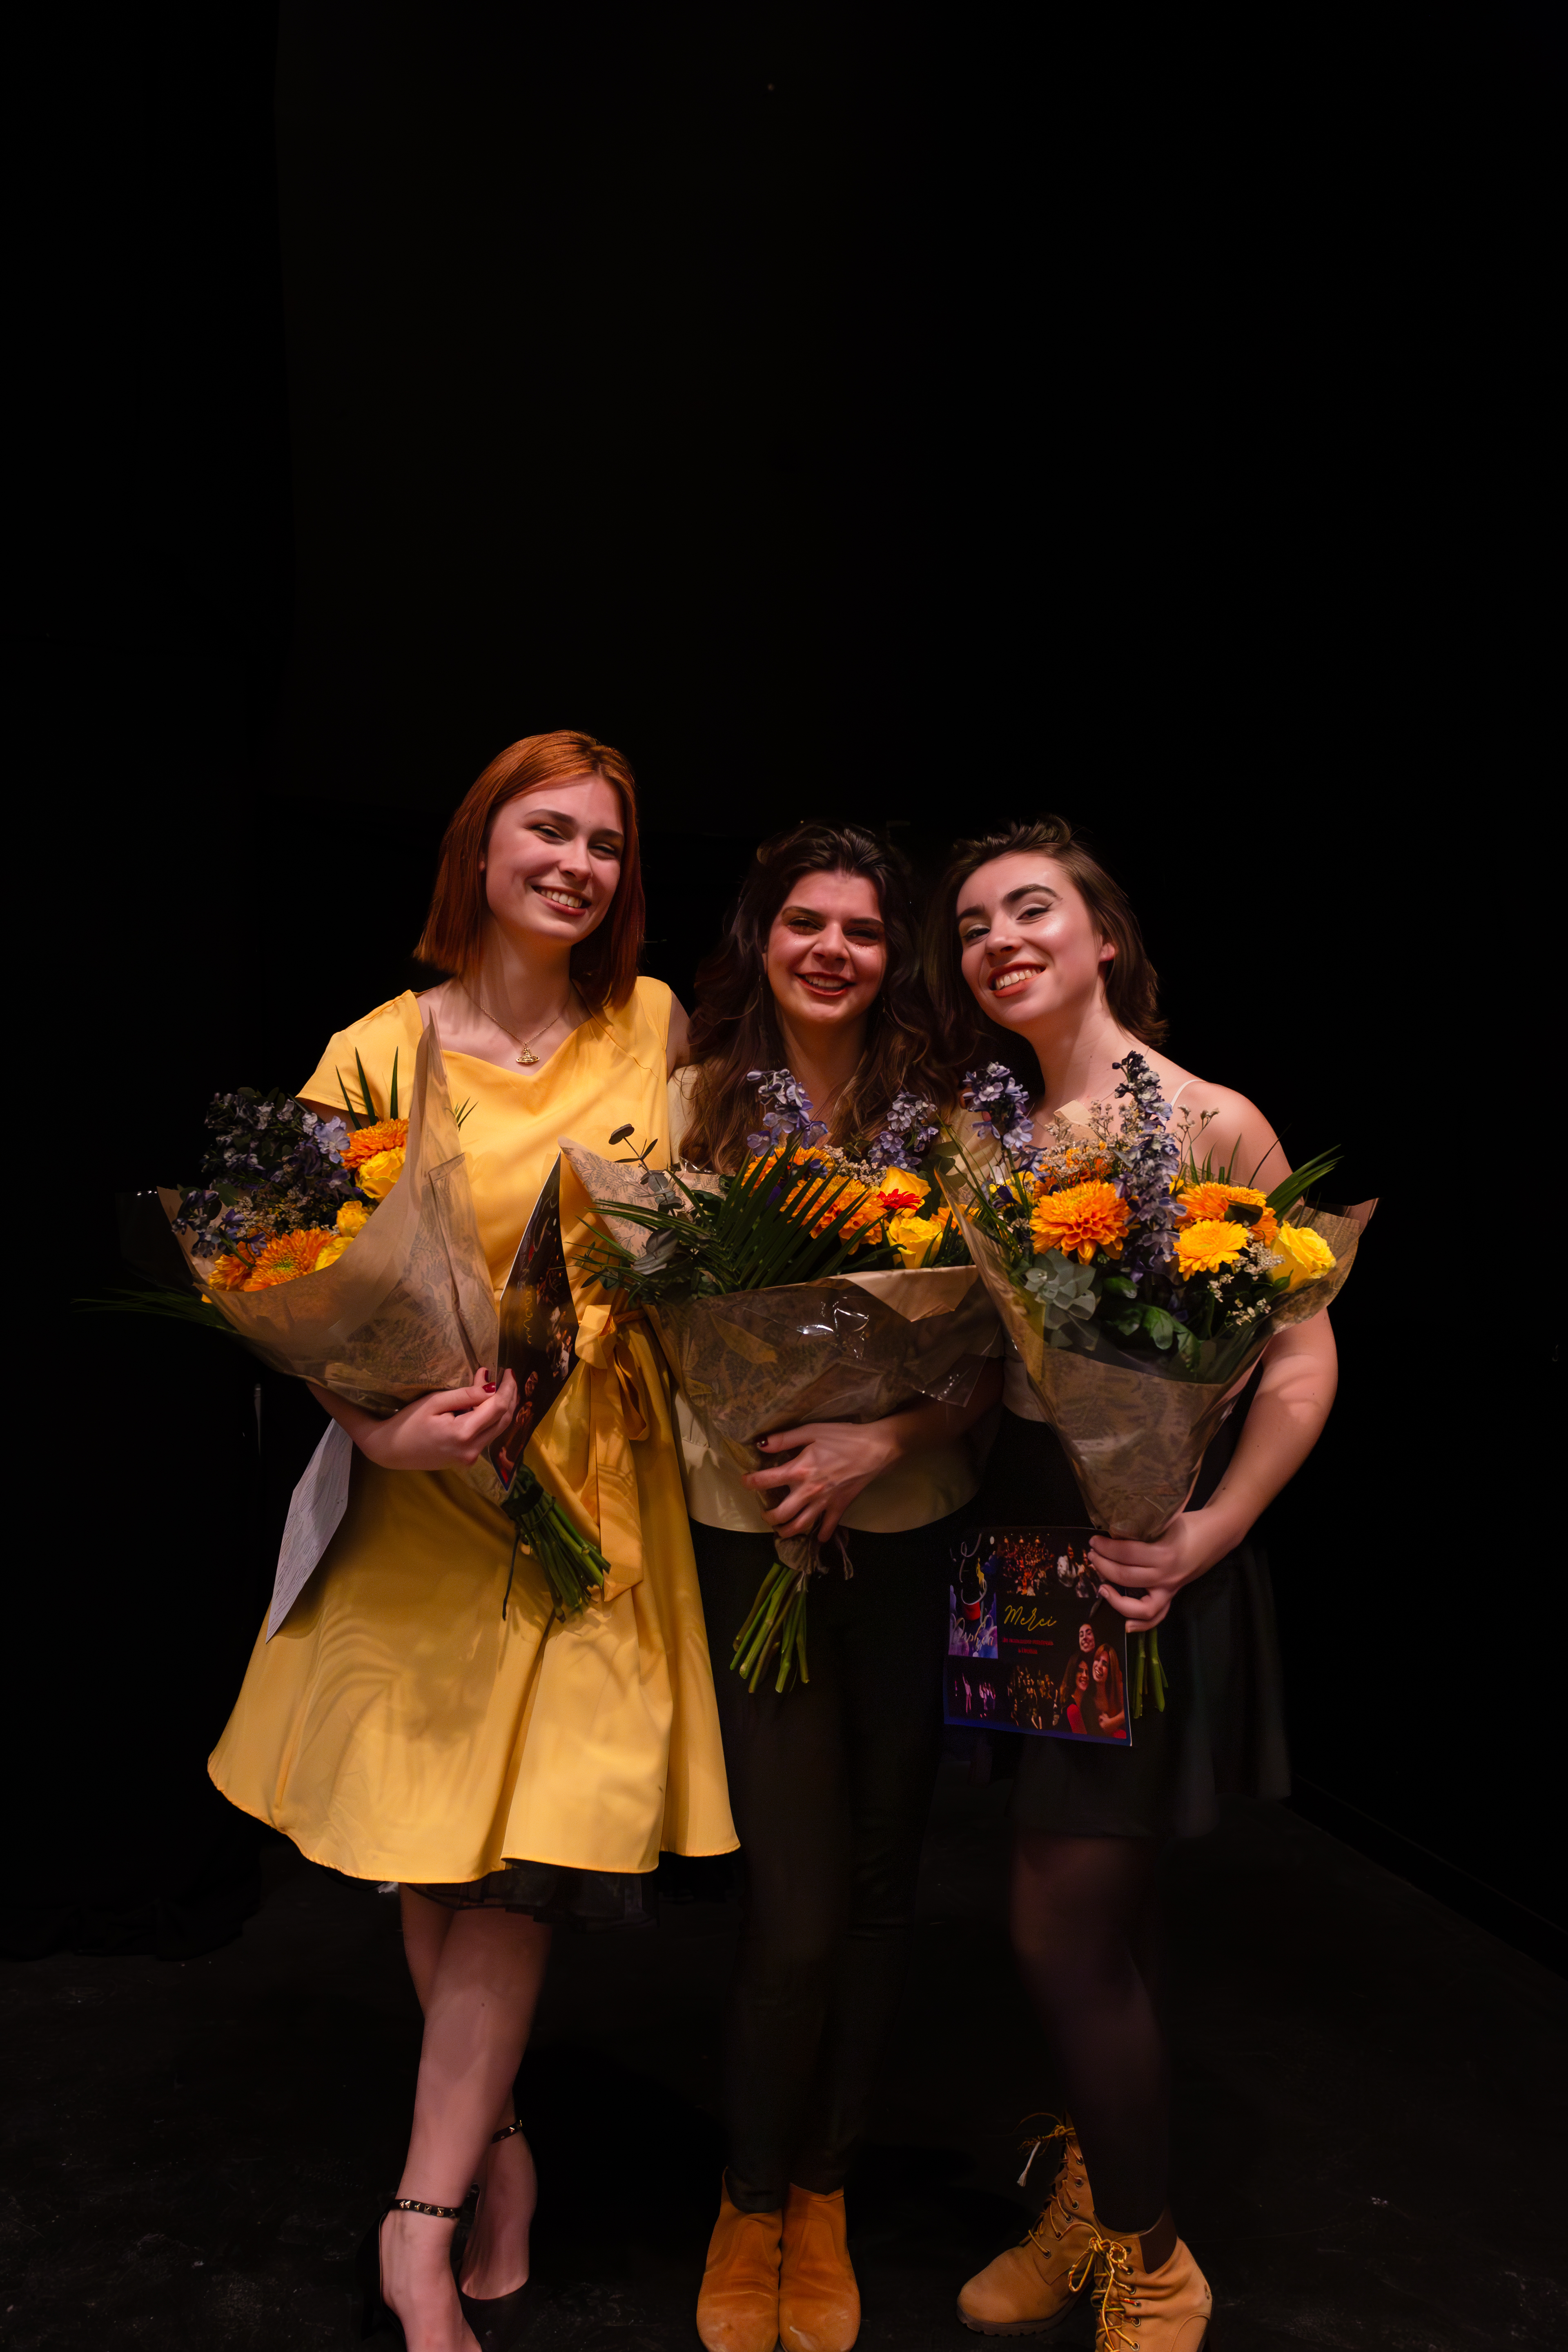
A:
[553,1895]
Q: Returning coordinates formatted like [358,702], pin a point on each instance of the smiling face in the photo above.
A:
[827,950]
[552,860]
[1102,1667]
[1027,943]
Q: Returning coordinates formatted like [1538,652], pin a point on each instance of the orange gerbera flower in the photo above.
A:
[1081,1218]
[381,1135]
[289,1255]
[232,1272]
[899,1191]
[1199,1203]
[1205,1248]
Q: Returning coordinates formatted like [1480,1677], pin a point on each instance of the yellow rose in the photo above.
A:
[377,1176]
[353,1218]
[1307,1255]
[912,1237]
[1205,1247]
[331,1252]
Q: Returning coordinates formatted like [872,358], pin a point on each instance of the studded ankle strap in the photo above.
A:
[505,2132]
[416,2205]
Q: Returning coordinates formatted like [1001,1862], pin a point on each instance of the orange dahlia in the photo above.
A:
[381,1135]
[1206,1247]
[1199,1203]
[289,1255]
[1081,1218]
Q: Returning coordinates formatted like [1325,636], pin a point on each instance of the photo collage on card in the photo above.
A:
[538,1328]
[1032,1646]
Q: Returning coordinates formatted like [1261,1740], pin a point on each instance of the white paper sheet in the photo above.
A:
[315,1513]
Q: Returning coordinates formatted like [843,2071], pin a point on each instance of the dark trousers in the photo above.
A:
[830,1785]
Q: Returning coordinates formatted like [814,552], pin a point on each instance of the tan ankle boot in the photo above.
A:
[819,2303]
[738,2307]
[1150,2294]
[1031,2288]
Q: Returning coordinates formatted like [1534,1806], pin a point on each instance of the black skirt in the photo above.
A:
[1222,1730]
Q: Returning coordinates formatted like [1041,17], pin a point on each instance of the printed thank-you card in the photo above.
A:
[1031,1645]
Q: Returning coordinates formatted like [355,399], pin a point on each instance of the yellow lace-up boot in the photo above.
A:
[1149,2296]
[1030,2289]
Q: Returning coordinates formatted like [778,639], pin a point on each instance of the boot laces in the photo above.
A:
[1057,2216]
[1109,2259]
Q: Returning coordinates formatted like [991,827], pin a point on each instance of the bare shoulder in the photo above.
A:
[1235,1134]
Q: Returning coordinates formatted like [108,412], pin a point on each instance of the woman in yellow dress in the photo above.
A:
[510,1772]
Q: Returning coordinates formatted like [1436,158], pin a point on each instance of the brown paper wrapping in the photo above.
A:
[408,1308]
[1135,1428]
[852,1348]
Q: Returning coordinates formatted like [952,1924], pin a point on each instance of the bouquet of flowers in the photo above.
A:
[346,1252]
[1139,1283]
[810,1286]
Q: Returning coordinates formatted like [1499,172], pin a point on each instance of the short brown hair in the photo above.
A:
[1131,984]
[604,964]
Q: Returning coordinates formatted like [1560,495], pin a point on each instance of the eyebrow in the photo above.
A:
[1029,890]
[818,917]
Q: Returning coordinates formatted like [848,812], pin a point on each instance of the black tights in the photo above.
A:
[830,1786]
[1084,1932]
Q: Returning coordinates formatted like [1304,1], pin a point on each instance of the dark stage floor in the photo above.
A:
[1371,2094]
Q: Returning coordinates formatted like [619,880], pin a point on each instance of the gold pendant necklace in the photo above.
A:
[527,1057]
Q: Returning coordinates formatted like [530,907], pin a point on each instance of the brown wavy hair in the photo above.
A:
[604,965]
[1131,984]
[734,1027]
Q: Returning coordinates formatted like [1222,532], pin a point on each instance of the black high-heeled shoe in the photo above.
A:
[499,2320]
[376,2315]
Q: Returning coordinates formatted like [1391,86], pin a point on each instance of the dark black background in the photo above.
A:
[922,419]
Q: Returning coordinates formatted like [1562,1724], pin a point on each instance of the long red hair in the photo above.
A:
[604,964]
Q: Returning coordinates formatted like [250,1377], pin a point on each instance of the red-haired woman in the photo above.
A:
[818,972]
[510,1772]
[1035,957]
[1109,1708]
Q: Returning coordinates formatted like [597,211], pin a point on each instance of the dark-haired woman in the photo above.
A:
[830,1783]
[509,1772]
[1035,952]
[1075,1696]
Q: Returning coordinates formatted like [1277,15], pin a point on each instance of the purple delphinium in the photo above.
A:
[1002,1111]
[788,1114]
[1150,1157]
[911,1129]
[272,1167]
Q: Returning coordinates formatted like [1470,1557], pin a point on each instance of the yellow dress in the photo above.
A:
[397,1726]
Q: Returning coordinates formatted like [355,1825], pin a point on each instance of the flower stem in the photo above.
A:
[574,1569]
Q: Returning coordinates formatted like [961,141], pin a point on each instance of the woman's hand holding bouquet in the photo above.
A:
[448,1430]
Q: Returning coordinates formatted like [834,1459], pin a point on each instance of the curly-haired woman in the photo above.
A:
[818,972]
